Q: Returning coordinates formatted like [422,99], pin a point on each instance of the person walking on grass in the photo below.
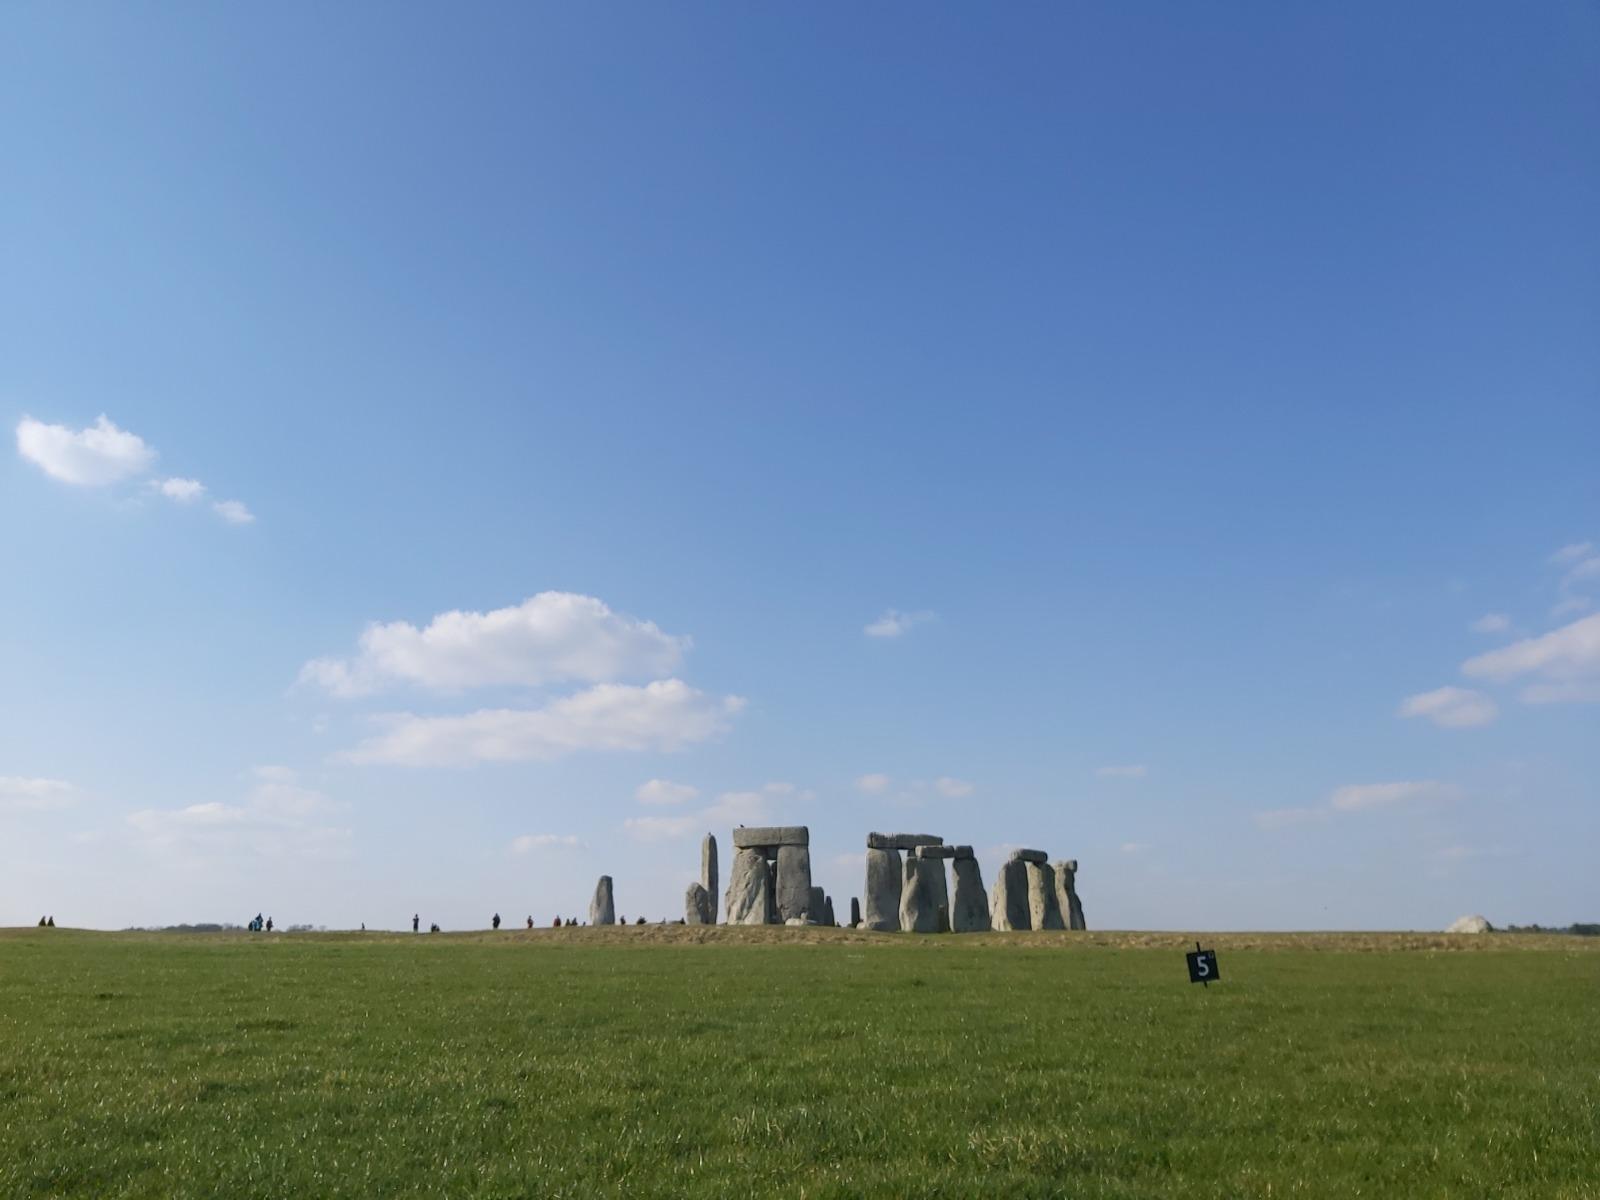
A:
[416,922]
[497,921]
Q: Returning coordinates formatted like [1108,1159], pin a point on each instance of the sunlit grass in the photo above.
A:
[632,1063]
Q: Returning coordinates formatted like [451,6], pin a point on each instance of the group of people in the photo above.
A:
[50,923]
[257,925]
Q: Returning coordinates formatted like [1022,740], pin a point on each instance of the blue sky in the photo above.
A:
[1084,427]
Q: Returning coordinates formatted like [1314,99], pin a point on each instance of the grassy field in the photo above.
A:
[743,1063]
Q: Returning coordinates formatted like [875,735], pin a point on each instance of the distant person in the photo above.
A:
[41,922]
[530,920]
[497,920]
[269,924]
[556,924]
[363,927]
[51,923]
[415,922]
[434,928]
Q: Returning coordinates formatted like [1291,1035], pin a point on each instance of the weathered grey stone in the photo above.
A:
[881,902]
[772,892]
[935,852]
[1029,856]
[794,881]
[969,909]
[944,918]
[1044,909]
[708,872]
[827,912]
[1470,925]
[698,906]
[1067,891]
[938,882]
[603,908]
[901,841]
[814,906]
[964,852]
[753,837]
[797,921]
[1008,905]
[919,905]
[855,912]
[749,889]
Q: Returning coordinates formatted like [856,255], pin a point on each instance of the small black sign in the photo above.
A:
[1202,965]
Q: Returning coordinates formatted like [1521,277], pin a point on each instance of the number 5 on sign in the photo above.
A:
[1202,965]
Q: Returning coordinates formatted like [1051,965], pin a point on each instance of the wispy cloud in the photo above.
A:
[1492,623]
[953,789]
[1564,663]
[21,794]
[661,791]
[1451,707]
[874,784]
[184,491]
[96,456]
[1357,798]
[233,512]
[894,623]
[279,817]
[529,842]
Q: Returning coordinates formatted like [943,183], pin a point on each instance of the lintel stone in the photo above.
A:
[1030,856]
[901,841]
[756,837]
[936,851]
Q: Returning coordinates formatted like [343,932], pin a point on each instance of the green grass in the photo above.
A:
[754,1064]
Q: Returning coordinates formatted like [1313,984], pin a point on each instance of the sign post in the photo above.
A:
[1202,966]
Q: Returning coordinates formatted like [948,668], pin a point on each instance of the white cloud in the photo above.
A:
[1135,847]
[874,784]
[757,807]
[19,794]
[894,623]
[1451,707]
[552,637]
[1570,654]
[1360,797]
[1570,554]
[1136,771]
[1492,623]
[181,490]
[661,791]
[953,788]
[665,715]
[543,841]
[93,457]
[233,512]
[278,818]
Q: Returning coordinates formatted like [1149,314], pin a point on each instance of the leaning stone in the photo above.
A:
[881,903]
[708,872]
[855,912]
[1008,906]
[1044,909]
[698,906]
[753,837]
[1067,891]
[794,881]
[901,841]
[1029,856]
[749,889]
[936,851]
[603,909]
[919,906]
[969,909]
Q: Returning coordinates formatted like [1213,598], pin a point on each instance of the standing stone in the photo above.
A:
[603,909]
[938,883]
[1067,890]
[772,892]
[698,906]
[855,912]
[827,913]
[969,910]
[708,872]
[919,905]
[881,906]
[794,881]
[749,889]
[1044,909]
[1008,906]
[816,906]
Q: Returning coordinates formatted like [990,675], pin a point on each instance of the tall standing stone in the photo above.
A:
[1044,909]
[708,872]
[827,913]
[1067,893]
[698,906]
[794,881]
[881,901]
[969,908]
[919,904]
[749,889]
[603,908]
[816,907]
[855,912]
[1008,907]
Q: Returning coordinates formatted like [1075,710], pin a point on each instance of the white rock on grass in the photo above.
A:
[1470,925]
